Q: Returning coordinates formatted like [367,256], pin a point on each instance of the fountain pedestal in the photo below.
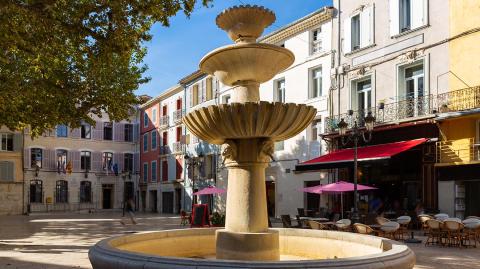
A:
[246,235]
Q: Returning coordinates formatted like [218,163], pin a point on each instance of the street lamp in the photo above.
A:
[355,135]
[192,162]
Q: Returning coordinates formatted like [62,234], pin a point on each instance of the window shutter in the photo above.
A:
[347,35]
[75,133]
[120,162]
[136,164]
[45,159]
[118,131]
[76,160]
[209,88]
[394,17]
[26,158]
[366,27]
[97,132]
[417,13]
[17,142]
[96,161]
[116,159]
[136,133]
[51,162]
[7,171]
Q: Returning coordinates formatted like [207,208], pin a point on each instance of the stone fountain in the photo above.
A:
[247,129]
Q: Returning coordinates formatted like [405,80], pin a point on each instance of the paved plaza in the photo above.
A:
[60,241]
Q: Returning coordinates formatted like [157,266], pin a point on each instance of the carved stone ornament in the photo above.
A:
[229,150]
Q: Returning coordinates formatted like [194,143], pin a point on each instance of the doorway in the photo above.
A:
[167,202]
[153,201]
[144,200]
[270,187]
[107,196]
[312,199]
[178,199]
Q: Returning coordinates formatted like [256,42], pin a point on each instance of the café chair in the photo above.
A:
[363,229]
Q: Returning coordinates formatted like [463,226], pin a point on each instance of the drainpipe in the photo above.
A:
[338,53]
[22,152]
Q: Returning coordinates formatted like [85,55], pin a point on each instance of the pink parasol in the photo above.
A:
[340,186]
[210,190]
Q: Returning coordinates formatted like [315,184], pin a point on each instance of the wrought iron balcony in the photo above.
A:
[177,115]
[164,121]
[164,150]
[411,108]
[385,113]
[178,147]
[458,151]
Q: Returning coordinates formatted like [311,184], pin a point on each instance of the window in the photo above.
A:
[316,80]
[154,139]
[107,161]
[154,115]
[7,142]
[154,171]
[179,169]
[405,18]
[128,132]
[61,161]
[145,172]
[355,21]
[36,157]
[406,15]
[279,146]
[165,138]
[107,131]
[179,134]
[7,171]
[61,130]
[362,96]
[86,131]
[61,191]
[279,93]
[194,95]
[36,191]
[85,160]
[226,99]
[128,162]
[316,45]
[209,88]
[316,129]
[164,170]
[145,119]
[85,192]
[145,142]
[413,91]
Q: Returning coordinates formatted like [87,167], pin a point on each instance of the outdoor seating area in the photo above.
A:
[440,229]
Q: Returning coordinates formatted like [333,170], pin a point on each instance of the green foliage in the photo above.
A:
[64,60]
[218,219]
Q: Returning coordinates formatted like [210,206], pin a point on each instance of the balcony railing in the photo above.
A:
[177,115]
[458,151]
[411,108]
[391,112]
[164,121]
[178,147]
[164,150]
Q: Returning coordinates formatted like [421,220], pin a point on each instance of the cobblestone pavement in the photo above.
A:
[60,241]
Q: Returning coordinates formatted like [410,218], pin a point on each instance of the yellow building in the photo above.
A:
[11,172]
[458,154]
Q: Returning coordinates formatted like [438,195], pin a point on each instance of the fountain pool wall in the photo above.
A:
[299,248]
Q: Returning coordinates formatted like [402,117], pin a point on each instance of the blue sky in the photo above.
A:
[175,51]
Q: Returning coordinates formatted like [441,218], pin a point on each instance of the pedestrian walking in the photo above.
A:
[129,205]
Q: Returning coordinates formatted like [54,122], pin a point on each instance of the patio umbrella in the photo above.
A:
[340,186]
[210,190]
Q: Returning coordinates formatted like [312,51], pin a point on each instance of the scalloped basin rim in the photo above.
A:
[278,121]
[372,252]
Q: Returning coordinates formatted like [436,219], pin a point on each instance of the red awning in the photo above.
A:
[375,152]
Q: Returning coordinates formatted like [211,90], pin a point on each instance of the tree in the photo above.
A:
[62,61]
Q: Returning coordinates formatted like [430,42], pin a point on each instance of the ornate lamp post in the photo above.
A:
[355,135]
[193,162]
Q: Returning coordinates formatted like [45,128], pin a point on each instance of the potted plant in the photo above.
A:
[381,104]
[218,220]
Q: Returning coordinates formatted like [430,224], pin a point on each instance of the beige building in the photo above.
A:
[11,176]
[88,168]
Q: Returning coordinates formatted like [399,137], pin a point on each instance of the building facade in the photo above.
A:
[162,143]
[93,167]
[11,173]
[458,158]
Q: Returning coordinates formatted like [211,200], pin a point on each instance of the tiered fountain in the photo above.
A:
[247,129]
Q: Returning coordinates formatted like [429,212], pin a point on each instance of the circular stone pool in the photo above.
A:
[299,248]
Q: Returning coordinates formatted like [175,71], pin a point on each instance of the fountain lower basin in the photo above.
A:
[299,248]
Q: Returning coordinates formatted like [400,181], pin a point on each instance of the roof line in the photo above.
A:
[163,95]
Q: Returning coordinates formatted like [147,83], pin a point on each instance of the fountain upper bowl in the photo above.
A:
[246,62]
[278,121]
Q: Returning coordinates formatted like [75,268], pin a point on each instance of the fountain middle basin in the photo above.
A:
[299,248]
